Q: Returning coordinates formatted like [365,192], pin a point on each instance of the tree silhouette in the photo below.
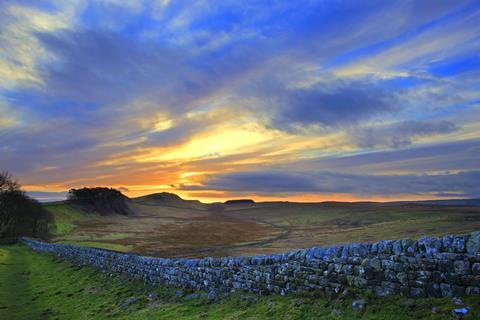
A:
[102,200]
[20,215]
[7,182]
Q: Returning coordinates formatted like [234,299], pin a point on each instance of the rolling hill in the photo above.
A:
[164,224]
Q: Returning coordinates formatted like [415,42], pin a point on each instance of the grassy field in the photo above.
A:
[192,229]
[66,218]
[320,224]
[36,286]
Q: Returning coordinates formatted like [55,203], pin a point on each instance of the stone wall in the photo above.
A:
[430,266]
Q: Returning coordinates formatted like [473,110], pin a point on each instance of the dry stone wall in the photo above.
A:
[430,266]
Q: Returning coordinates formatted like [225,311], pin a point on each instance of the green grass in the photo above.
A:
[65,217]
[36,286]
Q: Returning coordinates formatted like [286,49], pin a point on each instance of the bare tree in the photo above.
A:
[8,185]
[8,182]
[20,215]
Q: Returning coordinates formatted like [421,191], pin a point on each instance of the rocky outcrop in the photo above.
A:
[430,266]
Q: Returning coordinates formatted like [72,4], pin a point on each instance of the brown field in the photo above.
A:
[192,229]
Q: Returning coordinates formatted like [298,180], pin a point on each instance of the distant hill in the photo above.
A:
[107,201]
[170,200]
[447,202]
[173,200]
[160,197]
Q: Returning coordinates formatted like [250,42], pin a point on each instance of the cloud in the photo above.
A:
[331,104]
[444,36]
[430,158]
[399,134]
[132,93]
[187,127]
[21,54]
[99,66]
[8,116]
[463,184]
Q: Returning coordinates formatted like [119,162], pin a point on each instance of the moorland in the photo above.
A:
[38,286]
[166,225]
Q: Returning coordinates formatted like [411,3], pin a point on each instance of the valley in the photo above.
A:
[165,225]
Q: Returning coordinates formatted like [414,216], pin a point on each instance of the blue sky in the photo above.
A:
[308,100]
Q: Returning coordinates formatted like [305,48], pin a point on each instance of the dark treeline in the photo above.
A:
[102,200]
[20,215]
[239,201]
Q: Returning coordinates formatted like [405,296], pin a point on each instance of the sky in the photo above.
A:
[270,100]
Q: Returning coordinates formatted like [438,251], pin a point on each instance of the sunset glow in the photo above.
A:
[270,100]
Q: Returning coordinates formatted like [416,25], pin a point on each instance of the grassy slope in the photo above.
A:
[36,286]
[66,219]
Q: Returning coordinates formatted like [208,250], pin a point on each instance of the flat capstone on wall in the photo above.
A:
[431,266]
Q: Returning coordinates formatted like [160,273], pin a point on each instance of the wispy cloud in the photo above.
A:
[399,134]
[168,94]
[462,184]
